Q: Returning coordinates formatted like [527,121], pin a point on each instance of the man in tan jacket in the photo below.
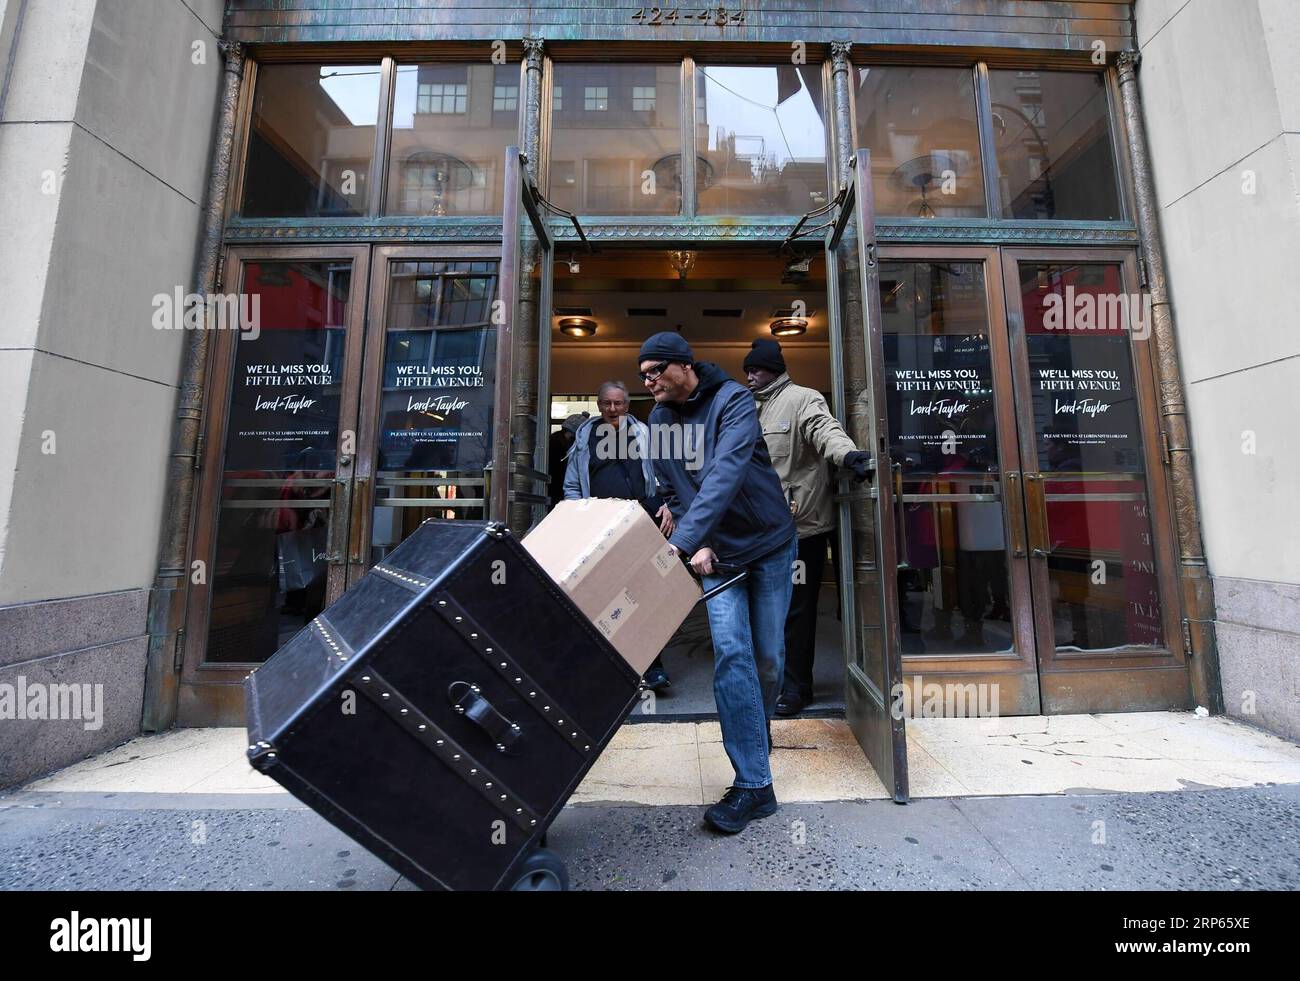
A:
[802,437]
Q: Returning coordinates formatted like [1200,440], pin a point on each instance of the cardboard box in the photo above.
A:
[614,563]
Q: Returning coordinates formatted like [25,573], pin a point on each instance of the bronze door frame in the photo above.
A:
[1133,677]
[372,383]
[210,693]
[1015,673]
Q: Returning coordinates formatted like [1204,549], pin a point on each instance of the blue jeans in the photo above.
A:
[748,627]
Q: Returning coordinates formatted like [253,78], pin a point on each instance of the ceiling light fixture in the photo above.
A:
[788,326]
[682,260]
[577,327]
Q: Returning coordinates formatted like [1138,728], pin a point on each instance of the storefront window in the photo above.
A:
[1051,131]
[311,141]
[451,126]
[760,134]
[616,140]
[921,127]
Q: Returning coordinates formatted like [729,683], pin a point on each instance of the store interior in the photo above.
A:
[607,302]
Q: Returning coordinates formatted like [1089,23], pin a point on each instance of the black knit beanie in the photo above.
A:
[765,353]
[666,346]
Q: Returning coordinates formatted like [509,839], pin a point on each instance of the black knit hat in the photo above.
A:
[667,345]
[765,353]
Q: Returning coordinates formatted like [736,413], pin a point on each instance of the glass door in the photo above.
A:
[964,608]
[868,550]
[275,495]
[1100,550]
[427,413]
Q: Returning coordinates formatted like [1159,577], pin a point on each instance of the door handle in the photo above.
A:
[1016,513]
[900,518]
[1036,498]
[340,510]
[356,520]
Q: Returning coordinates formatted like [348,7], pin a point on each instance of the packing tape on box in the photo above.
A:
[585,562]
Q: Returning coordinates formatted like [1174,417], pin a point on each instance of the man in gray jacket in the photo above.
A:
[802,437]
[611,458]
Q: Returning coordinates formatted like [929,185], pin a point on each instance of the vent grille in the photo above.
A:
[573,311]
[789,312]
[647,312]
[730,313]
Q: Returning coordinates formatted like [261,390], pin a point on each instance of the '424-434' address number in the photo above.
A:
[657,16]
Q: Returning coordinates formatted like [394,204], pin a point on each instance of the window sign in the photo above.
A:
[436,412]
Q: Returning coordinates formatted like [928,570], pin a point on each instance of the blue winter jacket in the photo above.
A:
[725,494]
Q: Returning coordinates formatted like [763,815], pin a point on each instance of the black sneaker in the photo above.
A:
[791,703]
[656,679]
[739,806]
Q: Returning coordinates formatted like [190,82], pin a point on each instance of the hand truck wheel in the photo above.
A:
[542,871]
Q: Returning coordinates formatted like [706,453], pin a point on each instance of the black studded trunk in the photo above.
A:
[444,709]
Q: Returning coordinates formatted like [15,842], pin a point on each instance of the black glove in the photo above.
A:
[859,461]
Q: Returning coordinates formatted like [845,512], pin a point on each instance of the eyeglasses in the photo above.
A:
[654,372]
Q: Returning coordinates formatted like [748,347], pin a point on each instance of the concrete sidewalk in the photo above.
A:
[1150,801]
[683,763]
[1243,839]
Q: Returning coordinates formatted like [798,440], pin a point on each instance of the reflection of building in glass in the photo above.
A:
[451,125]
[760,134]
[311,140]
[1051,131]
[1026,117]
[920,125]
[617,139]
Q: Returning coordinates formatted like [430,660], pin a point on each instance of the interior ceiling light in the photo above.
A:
[788,326]
[683,261]
[577,327]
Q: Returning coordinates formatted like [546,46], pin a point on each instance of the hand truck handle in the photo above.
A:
[725,568]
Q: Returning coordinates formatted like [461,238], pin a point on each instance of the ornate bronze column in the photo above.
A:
[527,336]
[167,599]
[534,54]
[843,125]
[1196,586]
[852,322]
